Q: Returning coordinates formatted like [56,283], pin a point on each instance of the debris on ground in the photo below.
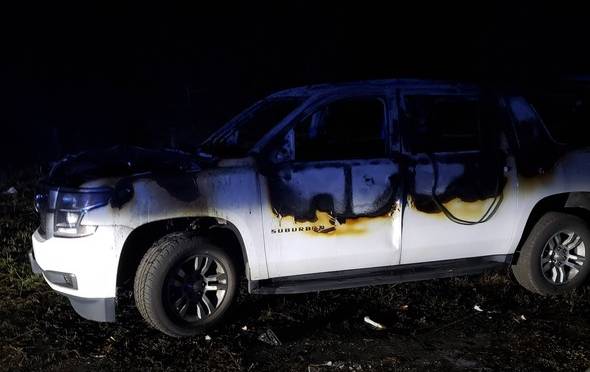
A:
[522,317]
[477,308]
[244,328]
[10,191]
[269,337]
[373,323]
[207,338]
[339,365]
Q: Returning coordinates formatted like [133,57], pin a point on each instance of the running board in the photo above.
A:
[379,275]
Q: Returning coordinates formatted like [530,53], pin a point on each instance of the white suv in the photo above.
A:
[314,188]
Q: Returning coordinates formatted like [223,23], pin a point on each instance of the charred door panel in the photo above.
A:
[460,178]
[341,189]
[469,213]
[328,216]
[375,186]
[462,195]
[301,190]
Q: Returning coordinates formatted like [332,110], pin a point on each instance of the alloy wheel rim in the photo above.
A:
[563,257]
[195,288]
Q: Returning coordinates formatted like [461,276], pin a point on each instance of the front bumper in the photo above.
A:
[97,309]
[83,269]
[34,265]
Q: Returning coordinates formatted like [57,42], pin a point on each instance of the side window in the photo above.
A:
[436,123]
[256,124]
[566,116]
[347,129]
[535,149]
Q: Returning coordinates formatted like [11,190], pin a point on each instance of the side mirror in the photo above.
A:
[284,151]
[279,156]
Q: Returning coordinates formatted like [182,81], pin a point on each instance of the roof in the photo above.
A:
[309,90]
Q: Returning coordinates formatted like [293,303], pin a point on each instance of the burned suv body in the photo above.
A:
[319,187]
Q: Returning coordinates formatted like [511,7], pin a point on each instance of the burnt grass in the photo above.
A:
[429,325]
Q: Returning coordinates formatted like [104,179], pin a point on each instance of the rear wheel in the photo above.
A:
[184,283]
[553,258]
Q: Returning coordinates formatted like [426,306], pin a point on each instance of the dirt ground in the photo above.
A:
[429,325]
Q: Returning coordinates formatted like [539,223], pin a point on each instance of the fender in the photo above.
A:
[569,174]
[228,193]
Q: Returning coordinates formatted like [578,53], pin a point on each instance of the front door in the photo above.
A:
[333,198]
[462,185]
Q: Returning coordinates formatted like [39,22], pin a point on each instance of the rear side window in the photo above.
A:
[346,129]
[566,116]
[535,149]
[438,123]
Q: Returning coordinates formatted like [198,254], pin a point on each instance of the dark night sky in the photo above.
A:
[98,76]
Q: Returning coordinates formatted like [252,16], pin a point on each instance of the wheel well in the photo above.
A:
[221,232]
[576,203]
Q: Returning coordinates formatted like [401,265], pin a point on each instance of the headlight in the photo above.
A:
[72,205]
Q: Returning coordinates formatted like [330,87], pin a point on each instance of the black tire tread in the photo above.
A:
[145,275]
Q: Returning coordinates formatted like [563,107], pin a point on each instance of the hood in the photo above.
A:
[173,170]
[119,162]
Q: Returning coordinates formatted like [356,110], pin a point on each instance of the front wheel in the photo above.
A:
[184,283]
[553,258]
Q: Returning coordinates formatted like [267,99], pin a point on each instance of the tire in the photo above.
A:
[161,292]
[545,265]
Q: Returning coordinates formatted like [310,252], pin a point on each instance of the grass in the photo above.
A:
[430,324]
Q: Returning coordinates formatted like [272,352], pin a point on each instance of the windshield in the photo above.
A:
[248,128]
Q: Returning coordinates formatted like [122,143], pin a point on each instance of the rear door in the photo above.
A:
[462,184]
